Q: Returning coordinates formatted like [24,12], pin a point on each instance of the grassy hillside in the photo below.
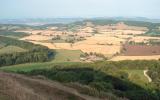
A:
[11,49]
[33,53]
[128,77]
[13,34]
[20,87]
[137,76]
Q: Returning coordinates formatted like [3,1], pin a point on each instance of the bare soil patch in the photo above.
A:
[141,50]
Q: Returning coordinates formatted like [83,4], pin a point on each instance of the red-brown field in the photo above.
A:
[139,50]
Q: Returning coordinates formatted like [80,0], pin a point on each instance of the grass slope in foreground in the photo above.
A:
[123,78]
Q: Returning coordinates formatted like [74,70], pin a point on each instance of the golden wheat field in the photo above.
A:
[151,57]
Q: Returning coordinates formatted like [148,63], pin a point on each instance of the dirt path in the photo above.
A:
[20,87]
[146,75]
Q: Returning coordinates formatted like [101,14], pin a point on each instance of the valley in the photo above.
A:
[79,50]
[86,60]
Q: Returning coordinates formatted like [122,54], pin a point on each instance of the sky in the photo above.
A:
[10,9]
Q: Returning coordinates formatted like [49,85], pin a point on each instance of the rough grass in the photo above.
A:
[137,76]
[19,87]
[11,49]
[4,97]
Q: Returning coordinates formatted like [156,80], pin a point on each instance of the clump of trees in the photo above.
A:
[74,38]
[57,37]
[154,73]
[92,53]
[96,55]
[34,53]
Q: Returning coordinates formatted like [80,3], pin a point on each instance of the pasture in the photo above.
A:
[137,76]
[67,55]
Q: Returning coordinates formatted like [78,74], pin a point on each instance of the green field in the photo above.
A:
[67,55]
[11,49]
[34,66]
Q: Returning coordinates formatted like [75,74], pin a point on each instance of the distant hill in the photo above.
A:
[43,21]
[137,19]
[40,21]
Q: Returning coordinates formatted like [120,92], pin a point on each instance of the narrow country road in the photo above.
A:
[146,75]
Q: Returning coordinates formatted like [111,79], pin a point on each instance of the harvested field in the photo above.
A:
[124,36]
[139,50]
[49,32]
[102,39]
[103,49]
[152,57]
[86,29]
[100,43]
[63,46]
[122,28]
[138,39]
[37,38]
[134,32]
[108,43]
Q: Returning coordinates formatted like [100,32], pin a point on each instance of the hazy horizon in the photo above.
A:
[18,9]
